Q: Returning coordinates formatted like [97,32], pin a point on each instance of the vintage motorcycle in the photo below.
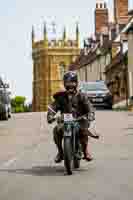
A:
[71,143]
[72,147]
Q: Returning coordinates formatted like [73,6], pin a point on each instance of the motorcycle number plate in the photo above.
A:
[68,117]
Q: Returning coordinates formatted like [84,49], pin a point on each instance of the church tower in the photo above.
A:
[101,17]
[121,11]
[51,58]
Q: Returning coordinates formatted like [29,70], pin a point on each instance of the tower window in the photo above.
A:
[105,5]
[101,5]
[62,70]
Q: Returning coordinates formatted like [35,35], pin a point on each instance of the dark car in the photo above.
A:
[98,93]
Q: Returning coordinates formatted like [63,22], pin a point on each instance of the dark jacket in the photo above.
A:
[78,104]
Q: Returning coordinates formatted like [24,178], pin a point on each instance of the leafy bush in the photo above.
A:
[19,109]
[18,105]
[122,108]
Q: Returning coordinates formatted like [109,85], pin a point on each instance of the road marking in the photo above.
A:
[2,124]
[30,148]
[9,162]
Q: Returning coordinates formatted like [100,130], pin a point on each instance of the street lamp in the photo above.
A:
[99,53]
[125,60]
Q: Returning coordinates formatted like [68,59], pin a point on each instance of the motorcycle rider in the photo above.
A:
[71,101]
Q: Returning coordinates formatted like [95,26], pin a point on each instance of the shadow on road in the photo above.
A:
[40,171]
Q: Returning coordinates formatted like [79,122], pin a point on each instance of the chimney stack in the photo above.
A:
[121,12]
[101,17]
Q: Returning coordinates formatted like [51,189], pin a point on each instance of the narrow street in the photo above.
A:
[28,171]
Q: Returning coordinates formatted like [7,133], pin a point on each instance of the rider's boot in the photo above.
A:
[59,157]
[86,151]
[85,145]
[58,142]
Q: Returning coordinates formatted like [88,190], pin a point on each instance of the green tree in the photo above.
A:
[18,104]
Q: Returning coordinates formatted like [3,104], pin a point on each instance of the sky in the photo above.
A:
[16,20]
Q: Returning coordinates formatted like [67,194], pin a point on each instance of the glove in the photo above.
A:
[50,119]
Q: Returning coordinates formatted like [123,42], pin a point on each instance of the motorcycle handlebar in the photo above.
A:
[91,116]
[60,118]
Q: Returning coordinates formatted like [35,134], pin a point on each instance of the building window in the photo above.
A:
[62,70]
[91,67]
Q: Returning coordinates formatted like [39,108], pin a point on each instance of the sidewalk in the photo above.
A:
[121,104]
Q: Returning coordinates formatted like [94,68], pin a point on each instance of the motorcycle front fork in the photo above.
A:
[77,152]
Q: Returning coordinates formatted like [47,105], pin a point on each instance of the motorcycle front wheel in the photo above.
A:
[68,155]
[76,163]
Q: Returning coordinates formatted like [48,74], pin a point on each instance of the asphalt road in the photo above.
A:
[28,172]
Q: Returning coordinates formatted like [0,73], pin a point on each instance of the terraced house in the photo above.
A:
[105,56]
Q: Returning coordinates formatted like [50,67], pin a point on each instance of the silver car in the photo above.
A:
[98,93]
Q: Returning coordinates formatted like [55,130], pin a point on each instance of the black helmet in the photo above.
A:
[70,76]
[70,81]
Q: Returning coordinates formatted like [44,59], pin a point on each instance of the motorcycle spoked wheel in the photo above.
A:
[76,163]
[68,155]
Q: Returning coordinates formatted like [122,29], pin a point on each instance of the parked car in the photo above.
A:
[5,103]
[98,93]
